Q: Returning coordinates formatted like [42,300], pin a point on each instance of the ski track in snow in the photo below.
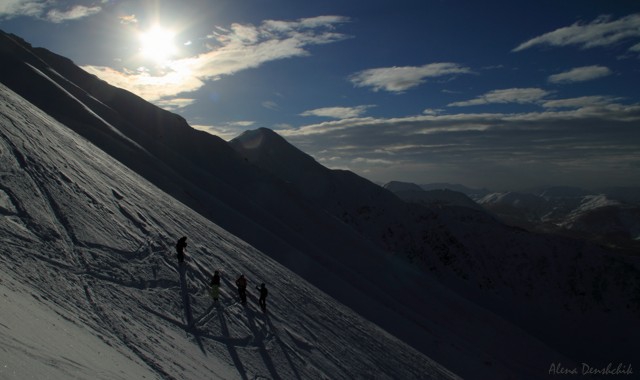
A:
[93,243]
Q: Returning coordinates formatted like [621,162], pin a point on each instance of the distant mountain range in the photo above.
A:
[610,216]
[439,270]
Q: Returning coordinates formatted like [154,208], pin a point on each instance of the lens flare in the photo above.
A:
[157,44]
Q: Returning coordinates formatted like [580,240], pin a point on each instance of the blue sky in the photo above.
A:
[500,94]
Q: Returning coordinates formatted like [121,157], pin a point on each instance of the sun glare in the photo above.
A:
[157,44]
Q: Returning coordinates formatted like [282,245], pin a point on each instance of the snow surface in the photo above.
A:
[92,289]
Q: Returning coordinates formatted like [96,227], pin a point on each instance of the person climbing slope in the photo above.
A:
[241,283]
[180,247]
[263,297]
[215,286]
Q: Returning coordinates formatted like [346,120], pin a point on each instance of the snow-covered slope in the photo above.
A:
[91,288]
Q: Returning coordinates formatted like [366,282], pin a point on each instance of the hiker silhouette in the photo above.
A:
[241,283]
[263,297]
[180,247]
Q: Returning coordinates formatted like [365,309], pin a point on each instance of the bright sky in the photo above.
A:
[501,94]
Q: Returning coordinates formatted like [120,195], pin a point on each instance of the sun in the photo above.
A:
[157,44]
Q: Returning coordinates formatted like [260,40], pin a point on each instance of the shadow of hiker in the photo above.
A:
[283,346]
[259,341]
[188,314]
[232,350]
[184,289]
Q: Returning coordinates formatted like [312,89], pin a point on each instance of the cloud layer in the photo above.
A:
[45,10]
[587,139]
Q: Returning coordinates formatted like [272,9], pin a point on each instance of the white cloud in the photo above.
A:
[600,32]
[510,95]
[226,131]
[338,112]
[174,103]
[238,48]
[580,74]
[432,111]
[399,79]
[151,88]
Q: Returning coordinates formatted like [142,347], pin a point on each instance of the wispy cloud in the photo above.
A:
[510,95]
[240,47]
[400,79]
[128,19]
[75,13]
[580,74]
[270,105]
[602,31]
[45,10]
[338,112]
[580,102]
[14,8]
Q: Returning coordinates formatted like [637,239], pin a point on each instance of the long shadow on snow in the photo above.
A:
[259,341]
[283,346]
[232,350]
[187,306]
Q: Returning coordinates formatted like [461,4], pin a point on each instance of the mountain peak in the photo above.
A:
[259,139]
[267,149]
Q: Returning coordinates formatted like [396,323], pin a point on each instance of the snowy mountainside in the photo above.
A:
[88,258]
